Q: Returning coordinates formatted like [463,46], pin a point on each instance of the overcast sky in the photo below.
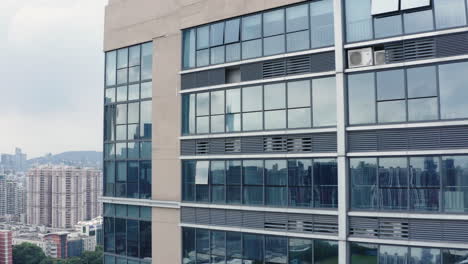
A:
[51,75]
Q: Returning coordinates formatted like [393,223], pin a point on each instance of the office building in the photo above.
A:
[6,247]
[60,197]
[287,131]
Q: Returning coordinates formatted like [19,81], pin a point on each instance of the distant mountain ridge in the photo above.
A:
[71,158]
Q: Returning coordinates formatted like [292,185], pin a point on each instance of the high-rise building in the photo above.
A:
[59,197]
[6,247]
[287,131]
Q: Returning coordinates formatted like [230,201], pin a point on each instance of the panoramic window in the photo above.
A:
[414,183]
[291,29]
[203,246]
[128,122]
[277,183]
[285,105]
[408,95]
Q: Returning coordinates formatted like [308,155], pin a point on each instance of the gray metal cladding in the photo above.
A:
[408,139]
[304,143]
[424,48]
[409,229]
[272,221]
[304,64]
[251,72]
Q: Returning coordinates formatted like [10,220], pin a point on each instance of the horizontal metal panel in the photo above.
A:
[408,139]
[273,221]
[307,143]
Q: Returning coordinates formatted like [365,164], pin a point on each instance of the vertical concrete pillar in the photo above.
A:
[341,134]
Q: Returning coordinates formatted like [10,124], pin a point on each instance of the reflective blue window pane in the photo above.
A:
[361,98]
[321,21]
[203,104]
[233,52]
[424,183]
[423,109]
[203,37]
[276,196]
[393,182]
[110,96]
[297,18]
[391,111]
[217,102]
[420,21]
[111,67]
[300,196]
[203,57]
[299,118]
[189,48]
[217,243]
[453,92]
[390,85]
[300,250]
[455,255]
[233,194]
[188,180]
[300,172]
[276,172]
[358,20]
[233,122]
[147,61]
[121,93]
[234,244]
[455,178]
[217,170]
[121,150]
[217,34]
[325,183]
[146,123]
[202,241]
[120,236]
[121,132]
[252,49]
[122,76]
[324,102]
[253,247]
[231,33]
[364,193]
[133,132]
[109,178]
[275,119]
[276,249]
[218,194]
[273,45]
[425,256]
[325,252]
[132,238]
[387,26]
[145,179]
[275,96]
[134,92]
[134,74]
[217,55]
[188,114]
[253,172]
[251,27]
[273,23]
[422,81]
[145,150]
[145,239]
[252,121]
[364,253]
[234,172]
[253,195]
[188,245]
[393,254]
[449,13]
[133,113]
[297,41]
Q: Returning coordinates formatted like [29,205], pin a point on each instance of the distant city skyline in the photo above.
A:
[51,92]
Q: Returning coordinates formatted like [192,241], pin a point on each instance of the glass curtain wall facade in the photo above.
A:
[127,153]
[404,103]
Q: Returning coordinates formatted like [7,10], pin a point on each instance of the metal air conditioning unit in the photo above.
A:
[360,58]
[379,57]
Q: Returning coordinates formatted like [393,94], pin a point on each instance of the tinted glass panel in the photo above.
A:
[275,96]
[390,85]
[449,13]
[392,254]
[273,23]
[297,41]
[299,118]
[388,26]
[364,253]
[361,98]
[453,90]
[111,66]
[364,183]
[300,250]
[203,57]
[252,99]
[203,37]
[252,121]
[275,119]
[217,55]
[425,255]
[297,18]
[455,255]
[253,172]
[325,252]
[189,48]
[298,94]
[233,122]
[253,247]
[273,45]
[251,49]
[455,178]
[233,52]
[231,33]
[217,34]
[422,82]
[251,27]
[324,102]
[233,101]
[423,109]
[276,249]
[321,21]
[420,21]
[358,20]
[391,111]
